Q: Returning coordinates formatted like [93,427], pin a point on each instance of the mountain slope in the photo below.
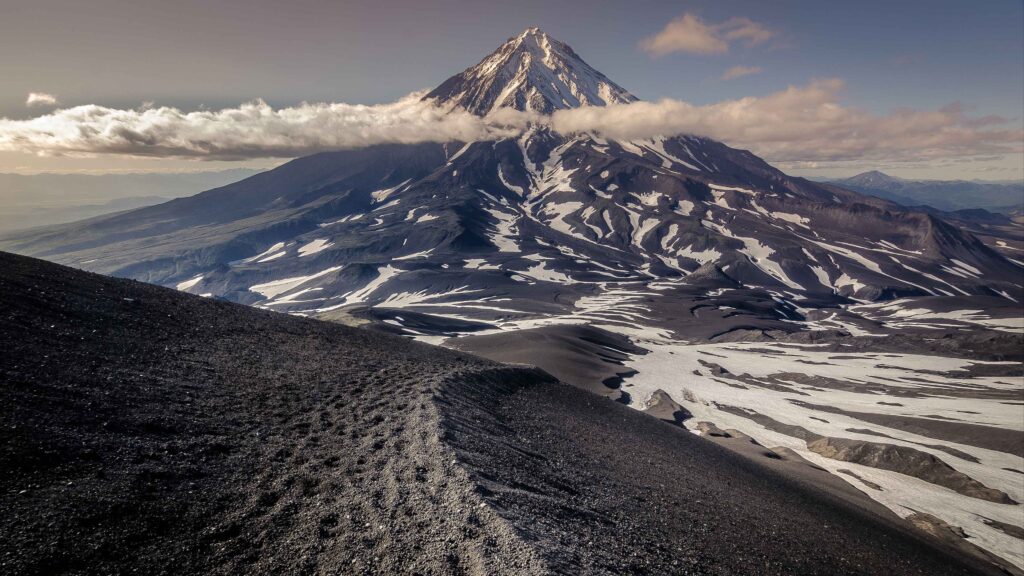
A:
[553,225]
[152,431]
[32,200]
[527,217]
[236,220]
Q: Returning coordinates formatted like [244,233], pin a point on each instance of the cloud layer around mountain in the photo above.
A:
[252,130]
[803,124]
[798,124]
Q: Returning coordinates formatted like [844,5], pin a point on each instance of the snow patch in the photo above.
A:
[313,247]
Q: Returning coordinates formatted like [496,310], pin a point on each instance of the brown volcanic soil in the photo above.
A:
[147,431]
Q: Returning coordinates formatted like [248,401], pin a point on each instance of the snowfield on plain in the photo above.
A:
[681,370]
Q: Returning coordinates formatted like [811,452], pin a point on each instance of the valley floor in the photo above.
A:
[926,401]
[787,395]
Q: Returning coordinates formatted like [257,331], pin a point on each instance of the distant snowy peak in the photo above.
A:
[529,72]
[873,178]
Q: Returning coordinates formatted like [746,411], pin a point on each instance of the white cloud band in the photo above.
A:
[251,130]
[799,124]
[805,124]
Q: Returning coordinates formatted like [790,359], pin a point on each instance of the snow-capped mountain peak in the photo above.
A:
[873,178]
[531,72]
[549,225]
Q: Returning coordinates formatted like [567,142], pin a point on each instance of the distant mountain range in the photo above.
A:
[947,195]
[32,200]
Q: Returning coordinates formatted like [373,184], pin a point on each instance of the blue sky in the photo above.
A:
[190,54]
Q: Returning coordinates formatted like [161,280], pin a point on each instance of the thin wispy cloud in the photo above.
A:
[688,33]
[40,99]
[740,71]
[800,124]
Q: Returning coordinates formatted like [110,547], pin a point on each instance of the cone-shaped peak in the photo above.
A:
[530,72]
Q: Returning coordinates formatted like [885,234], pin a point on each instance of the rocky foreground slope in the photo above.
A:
[145,430]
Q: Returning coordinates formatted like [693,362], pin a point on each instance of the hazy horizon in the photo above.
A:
[278,162]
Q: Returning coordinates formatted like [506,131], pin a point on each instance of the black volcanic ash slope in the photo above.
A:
[145,430]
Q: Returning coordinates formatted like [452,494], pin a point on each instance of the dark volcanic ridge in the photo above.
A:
[584,356]
[150,431]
